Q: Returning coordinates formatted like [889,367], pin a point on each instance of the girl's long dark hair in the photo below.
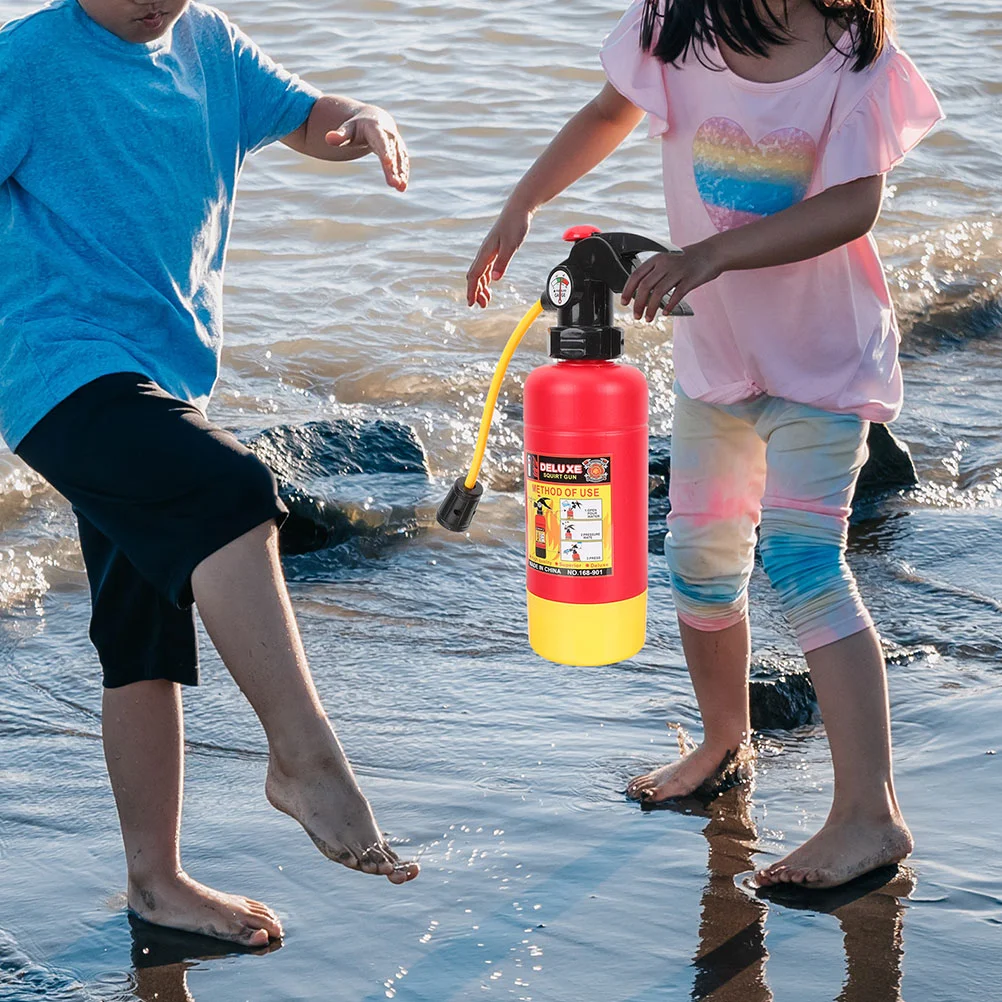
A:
[751,27]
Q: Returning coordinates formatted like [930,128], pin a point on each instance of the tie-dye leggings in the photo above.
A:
[786,467]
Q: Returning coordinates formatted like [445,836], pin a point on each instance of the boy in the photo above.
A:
[123,129]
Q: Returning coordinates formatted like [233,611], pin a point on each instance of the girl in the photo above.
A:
[778,123]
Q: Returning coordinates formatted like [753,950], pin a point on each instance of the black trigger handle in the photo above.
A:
[629,245]
[598,258]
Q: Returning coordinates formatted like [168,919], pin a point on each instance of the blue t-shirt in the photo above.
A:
[118,164]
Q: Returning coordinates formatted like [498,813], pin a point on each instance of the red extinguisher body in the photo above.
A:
[586,452]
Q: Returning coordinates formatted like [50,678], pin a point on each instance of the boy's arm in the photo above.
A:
[584,142]
[341,128]
[808,229]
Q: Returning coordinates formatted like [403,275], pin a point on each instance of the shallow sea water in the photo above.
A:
[501,773]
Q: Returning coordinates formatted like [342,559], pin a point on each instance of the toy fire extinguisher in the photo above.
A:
[542,506]
[586,461]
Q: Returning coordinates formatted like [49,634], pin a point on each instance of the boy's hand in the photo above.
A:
[659,275]
[371,129]
[497,250]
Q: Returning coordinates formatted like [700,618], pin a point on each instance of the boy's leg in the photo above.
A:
[148,649]
[144,748]
[242,599]
[814,459]
[717,478]
[158,490]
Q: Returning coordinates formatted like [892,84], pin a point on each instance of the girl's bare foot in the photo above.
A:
[177,901]
[842,851]
[323,796]
[702,769]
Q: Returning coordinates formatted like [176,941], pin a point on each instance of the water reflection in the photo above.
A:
[162,958]
[731,960]
[871,914]
[730,964]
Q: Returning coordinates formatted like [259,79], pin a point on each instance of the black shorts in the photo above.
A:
[156,489]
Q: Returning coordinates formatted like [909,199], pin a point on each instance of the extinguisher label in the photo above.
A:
[569,511]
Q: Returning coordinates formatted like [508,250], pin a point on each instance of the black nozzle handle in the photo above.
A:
[629,245]
[456,512]
[682,308]
[612,257]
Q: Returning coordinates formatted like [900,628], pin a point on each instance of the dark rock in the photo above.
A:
[658,507]
[313,524]
[659,451]
[329,473]
[961,316]
[315,452]
[889,467]
[781,698]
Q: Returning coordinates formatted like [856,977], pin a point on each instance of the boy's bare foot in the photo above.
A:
[179,902]
[701,770]
[324,798]
[840,852]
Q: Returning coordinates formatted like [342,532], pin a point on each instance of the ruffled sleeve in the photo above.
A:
[636,74]
[879,115]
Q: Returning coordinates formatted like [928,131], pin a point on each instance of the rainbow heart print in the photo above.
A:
[740,181]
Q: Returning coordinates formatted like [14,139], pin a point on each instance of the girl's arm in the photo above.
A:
[585,141]
[341,128]
[808,229]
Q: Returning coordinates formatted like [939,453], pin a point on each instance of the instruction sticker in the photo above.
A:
[569,509]
[581,510]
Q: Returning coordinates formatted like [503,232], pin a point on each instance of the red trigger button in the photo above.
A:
[576,233]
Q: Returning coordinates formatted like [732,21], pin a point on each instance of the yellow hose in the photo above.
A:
[492,394]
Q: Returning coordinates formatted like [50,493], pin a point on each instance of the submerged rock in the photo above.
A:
[962,315]
[781,698]
[889,466]
[659,453]
[343,480]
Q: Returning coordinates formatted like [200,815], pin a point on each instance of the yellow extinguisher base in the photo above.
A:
[587,635]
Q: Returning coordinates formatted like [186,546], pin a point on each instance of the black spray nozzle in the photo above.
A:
[456,512]
[542,503]
[599,264]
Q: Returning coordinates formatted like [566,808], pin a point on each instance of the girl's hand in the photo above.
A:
[497,250]
[659,275]
[374,130]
